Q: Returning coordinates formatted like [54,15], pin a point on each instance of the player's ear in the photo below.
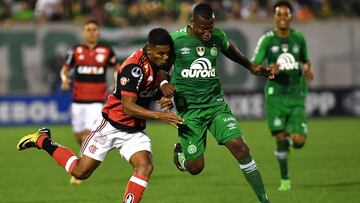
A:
[192,22]
[148,49]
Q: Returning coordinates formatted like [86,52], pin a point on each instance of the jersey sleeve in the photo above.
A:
[129,79]
[303,54]
[70,58]
[223,39]
[260,50]
[112,58]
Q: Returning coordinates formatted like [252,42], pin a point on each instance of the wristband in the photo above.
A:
[163,82]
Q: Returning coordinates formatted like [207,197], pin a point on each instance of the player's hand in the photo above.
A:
[171,118]
[309,74]
[267,71]
[166,104]
[168,90]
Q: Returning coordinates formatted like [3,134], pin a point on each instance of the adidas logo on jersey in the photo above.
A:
[200,68]
[91,70]
[287,62]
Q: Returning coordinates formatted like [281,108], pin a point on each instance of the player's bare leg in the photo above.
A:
[281,153]
[240,151]
[84,167]
[80,137]
[142,163]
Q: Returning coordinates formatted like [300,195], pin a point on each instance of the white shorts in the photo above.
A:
[104,137]
[84,115]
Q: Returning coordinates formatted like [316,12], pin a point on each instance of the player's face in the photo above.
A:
[282,17]
[91,33]
[159,54]
[202,28]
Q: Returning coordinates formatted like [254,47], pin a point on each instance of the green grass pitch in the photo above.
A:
[327,169]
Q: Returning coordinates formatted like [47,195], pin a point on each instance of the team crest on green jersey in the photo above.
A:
[214,51]
[200,51]
[285,47]
[296,49]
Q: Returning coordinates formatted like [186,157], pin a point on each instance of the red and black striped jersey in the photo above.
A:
[90,71]
[136,77]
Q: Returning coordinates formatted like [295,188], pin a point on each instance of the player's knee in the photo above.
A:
[238,148]
[298,141]
[298,145]
[195,166]
[242,153]
[195,170]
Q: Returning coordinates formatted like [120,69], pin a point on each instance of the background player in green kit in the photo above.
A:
[285,95]
[199,98]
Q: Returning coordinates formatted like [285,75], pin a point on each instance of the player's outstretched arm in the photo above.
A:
[132,109]
[235,55]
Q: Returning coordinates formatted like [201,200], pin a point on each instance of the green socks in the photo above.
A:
[281,154]
[253,177]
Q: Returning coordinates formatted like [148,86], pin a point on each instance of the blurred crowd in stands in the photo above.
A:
[139,12]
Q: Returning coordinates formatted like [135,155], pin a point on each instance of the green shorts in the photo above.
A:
[284,113]
[218,120]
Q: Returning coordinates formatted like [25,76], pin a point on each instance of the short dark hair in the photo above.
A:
[92,21]
[204,10]
[159,36]
[283,3]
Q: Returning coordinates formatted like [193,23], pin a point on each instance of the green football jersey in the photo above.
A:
[289,53]
[195,78]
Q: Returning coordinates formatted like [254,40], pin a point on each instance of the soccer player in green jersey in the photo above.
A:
[285,95]
[199,98]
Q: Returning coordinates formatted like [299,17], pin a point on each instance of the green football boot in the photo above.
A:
[285,185]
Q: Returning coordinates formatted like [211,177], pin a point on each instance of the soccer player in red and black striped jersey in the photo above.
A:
[89,61]
[123,121]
